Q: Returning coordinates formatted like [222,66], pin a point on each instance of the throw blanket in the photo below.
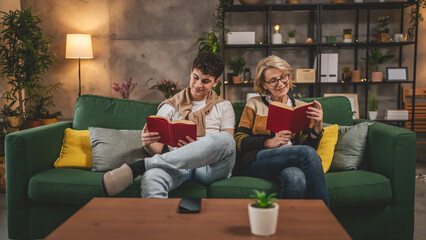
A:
[183,103]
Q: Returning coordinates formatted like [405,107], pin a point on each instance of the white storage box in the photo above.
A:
[240,38]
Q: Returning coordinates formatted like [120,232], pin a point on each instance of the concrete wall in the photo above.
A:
[146,39]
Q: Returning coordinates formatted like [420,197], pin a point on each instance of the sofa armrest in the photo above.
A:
[391,151]
[27,153]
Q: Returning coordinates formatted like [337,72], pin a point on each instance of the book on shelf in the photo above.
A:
[283,117]
[390,114]
[171,131]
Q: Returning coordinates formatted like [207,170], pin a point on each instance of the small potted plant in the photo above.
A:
[237,64]
[346,74]
[291,36]
[383,34]
[263,213]
[347,35]
[167,87]
[372,105]
[376,58]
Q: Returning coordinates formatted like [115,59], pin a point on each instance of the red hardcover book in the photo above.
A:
[283,117]
[171,132]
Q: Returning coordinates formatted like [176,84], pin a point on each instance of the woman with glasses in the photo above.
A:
[287,157]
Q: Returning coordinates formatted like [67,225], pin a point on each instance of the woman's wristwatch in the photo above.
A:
[315,133]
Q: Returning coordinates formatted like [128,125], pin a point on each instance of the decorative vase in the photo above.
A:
[237,79]
[376,76]
[15,121]
[346,77]
[263,221]
[293,1]
[46,121]
[34,123]
[292,40]
[384,37]
[372,115]
[347,38]
[249,1]
[356,76]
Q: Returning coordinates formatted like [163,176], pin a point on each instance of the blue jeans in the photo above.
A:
[298,168]
[205,161]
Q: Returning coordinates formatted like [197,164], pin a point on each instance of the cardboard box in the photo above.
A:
[240,38]
[303,75]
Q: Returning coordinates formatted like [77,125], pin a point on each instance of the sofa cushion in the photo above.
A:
[77,186]
[326,146]
[76,151]
[350,147]
[240,187]
[357,188]
[107,112]
[112,148]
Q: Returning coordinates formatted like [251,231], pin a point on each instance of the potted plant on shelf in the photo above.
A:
[263,213]
[383,34]
[347,35]
[372,105]
[346,74]
[291,36]
[376,58]
[237,64]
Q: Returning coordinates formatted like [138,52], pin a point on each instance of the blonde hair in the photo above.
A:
[265,64]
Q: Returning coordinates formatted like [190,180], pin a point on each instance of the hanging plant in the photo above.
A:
[416,18]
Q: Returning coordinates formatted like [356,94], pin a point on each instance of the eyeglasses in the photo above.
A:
[274,82]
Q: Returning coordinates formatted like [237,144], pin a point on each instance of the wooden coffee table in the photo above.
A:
[136,218]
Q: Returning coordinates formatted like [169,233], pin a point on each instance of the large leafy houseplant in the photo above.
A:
[24,54]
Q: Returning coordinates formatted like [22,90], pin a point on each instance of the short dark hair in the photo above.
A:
[209,63]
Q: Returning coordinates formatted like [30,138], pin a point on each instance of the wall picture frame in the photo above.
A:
[353,99]
[396,74]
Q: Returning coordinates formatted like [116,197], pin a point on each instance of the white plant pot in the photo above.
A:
[372,115]
[263,221]
[291,40]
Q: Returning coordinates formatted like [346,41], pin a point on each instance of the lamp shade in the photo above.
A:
[79,46]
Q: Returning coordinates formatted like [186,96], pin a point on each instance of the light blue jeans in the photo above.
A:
[205,161]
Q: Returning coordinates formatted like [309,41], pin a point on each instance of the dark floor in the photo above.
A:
[420,206]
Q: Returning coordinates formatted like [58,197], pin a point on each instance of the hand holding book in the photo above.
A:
[316,114]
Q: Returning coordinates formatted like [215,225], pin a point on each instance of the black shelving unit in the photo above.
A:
[316,11]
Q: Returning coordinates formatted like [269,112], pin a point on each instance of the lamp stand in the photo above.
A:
[79,79]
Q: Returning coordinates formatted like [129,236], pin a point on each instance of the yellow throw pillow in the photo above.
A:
[327,144]
[76,150]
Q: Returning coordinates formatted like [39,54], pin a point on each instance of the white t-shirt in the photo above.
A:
[221,116]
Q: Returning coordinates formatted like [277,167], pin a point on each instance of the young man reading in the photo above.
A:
[210,158]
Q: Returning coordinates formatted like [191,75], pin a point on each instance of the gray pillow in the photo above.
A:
[350,147]
[111,148]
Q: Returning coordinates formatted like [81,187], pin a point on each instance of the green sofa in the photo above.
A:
[376,202]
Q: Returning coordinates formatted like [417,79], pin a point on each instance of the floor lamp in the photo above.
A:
[79,46]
